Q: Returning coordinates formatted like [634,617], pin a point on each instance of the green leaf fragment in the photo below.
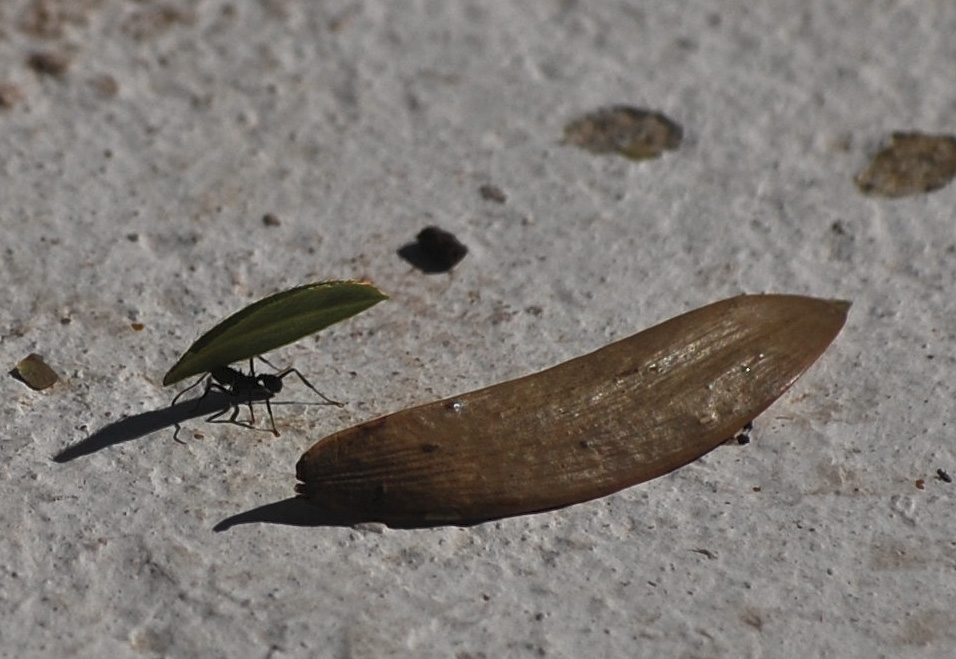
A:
[273,322]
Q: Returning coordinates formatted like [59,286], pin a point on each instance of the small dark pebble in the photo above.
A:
[491,192]
[436,251]
[944,476]
[706,552]
[49,63]
[743,437]
[271,220]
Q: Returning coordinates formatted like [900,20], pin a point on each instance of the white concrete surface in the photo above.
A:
[133,188]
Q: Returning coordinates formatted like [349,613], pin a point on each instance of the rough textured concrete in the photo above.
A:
[134,185]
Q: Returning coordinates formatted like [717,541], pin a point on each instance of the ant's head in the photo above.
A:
[272,383]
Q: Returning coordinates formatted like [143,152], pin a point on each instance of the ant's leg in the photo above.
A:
[252,414]
[210,385]
[192,386]
[234,406]
[240,424]
[180,395]
[233,419]
[266,362]
[271,418]
[252,374]
[309,385]
[214,418]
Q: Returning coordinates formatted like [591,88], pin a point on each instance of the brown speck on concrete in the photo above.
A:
[104,85]
[48,19]
[154,19]
[490,192]
[41,19]
[35,373]
[913,163]
[10,95]
[634,133]
[49,62]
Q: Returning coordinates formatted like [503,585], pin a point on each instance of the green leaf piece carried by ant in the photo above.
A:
[273,322]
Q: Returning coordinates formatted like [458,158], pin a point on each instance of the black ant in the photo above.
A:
[240,389]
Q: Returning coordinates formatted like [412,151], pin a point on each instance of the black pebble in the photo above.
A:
[436,251]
